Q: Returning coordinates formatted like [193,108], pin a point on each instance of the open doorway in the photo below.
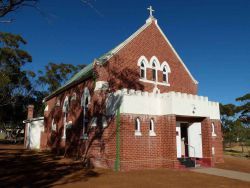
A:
[188,139]
[184,140]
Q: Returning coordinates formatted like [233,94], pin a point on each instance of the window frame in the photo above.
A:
[213,129]
[143,70]
[152,127]
[154,72]
[165,74]
[137,127]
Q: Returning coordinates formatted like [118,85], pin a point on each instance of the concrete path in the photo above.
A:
[224,173]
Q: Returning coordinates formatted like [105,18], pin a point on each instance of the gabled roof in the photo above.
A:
[88,70]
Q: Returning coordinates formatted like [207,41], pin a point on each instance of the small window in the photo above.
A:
[53,125]
[73,97]
[152,128]
[153,72]
[137,127]
[143,70]
[165,75]
[213,130]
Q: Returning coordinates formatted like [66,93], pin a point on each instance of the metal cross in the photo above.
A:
[151,11]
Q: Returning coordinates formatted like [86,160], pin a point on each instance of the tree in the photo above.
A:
[55,75]
[227,119]
[244,109]
[16,89]
[15,82]
[8,6]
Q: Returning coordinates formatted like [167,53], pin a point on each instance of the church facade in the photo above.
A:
[135,107]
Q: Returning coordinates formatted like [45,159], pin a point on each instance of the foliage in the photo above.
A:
[235,121]
[55,75]
[7,6]
[244,108]
[15,82]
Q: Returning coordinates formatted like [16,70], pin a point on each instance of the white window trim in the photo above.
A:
[165,73]
[64,125]
[213,130]
[153,82]
[65,112]
[53,125]
[152,132]
[73,97]
[138,130]
[155,60]
[143,68]
[156,71]
[159,67]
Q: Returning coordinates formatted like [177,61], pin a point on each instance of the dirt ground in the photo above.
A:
[235,163]
[22,168]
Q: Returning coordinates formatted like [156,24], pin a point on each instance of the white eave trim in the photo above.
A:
[165,37]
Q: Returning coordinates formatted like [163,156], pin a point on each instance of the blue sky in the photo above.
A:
[211,36]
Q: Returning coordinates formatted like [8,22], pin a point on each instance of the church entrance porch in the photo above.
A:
[189,146]
[188,139]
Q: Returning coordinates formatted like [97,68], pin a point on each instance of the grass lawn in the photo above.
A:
[22,168]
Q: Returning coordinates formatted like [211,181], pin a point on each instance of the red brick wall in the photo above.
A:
[206,132]
[217,142]
[139,152]
[122,71]
[53,139]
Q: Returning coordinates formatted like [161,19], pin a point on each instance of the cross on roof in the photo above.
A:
[151,11]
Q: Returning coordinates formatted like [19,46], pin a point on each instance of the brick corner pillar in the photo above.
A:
[207,141]
[169,141]
[217,142]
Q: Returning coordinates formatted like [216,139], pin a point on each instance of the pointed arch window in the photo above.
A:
[152,128]
[165,74]
[65,111]
[154,71]
[137,127]
[85,101]
[143,70]
[213,130]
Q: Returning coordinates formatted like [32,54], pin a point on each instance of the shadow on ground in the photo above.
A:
[23,168]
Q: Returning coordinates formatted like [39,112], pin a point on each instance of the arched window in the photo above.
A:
[213,130]
[85,101]
[53,125]
[165,74]
[143,70]
[152,128]
[65,111]
[137,127]
[154,72]
[73,97]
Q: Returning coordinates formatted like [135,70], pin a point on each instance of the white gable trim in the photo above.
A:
[164,36]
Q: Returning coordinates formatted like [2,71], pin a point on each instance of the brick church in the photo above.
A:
[135,107]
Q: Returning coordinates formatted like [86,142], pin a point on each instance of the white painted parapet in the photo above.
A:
[138,102]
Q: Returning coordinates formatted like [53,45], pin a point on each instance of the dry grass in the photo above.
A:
[235,163]
[22,168]
[237,151]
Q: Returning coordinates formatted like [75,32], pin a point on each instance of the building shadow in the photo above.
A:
[23,168]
